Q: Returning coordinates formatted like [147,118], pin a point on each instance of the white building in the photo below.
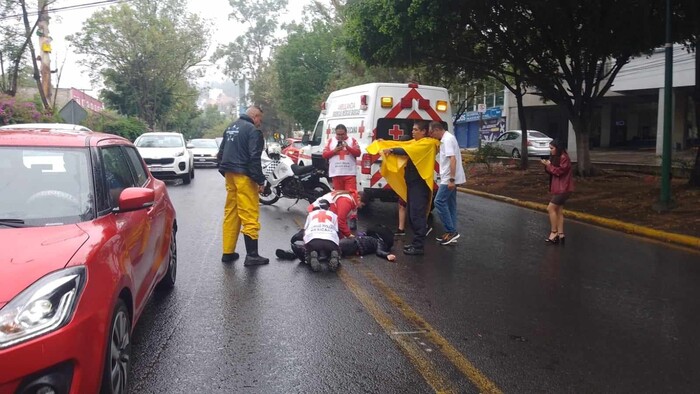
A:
[631,114]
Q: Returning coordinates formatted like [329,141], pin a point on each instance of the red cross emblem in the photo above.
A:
[342,154]
[362,128]
[396,132]
[322,216]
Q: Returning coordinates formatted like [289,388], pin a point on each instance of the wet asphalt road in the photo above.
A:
[499,311]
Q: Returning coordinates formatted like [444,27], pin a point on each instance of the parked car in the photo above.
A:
[86,236]
[167,155]
[291,148]
[511,142]
[204,151]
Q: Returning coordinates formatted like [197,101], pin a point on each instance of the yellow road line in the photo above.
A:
[415,355]
[456,358]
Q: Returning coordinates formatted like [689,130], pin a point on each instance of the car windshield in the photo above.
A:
[159,141]
[536,134]
[204,144]
[298,144]
[50,186]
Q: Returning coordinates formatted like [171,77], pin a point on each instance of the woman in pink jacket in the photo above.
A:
[561,184]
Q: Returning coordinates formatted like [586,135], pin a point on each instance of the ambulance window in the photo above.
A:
[318,134]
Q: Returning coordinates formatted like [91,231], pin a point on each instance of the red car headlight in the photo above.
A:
[47,305]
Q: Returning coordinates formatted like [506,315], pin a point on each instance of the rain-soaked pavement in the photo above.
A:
[499,311]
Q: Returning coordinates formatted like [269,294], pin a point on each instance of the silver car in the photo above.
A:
[511,142]
[204,151]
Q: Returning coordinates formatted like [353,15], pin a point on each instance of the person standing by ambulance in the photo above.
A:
[451,175]
[342,152]
[411,177]
[239,157]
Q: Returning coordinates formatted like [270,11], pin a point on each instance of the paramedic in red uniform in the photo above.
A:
[344,203]
[342,152]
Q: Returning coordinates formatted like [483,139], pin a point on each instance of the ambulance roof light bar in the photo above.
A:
[323,107]
[363,102]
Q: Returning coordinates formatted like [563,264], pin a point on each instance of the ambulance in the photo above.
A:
[376,111]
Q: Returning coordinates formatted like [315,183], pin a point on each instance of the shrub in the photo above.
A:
[485,154]
[14,111]
[112,123]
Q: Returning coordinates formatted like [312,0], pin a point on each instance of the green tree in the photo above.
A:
[570,51]
[211,122]
[246,56]
[304,65]
[16,48]
[145,51]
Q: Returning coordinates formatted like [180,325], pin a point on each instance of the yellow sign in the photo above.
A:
[46,47]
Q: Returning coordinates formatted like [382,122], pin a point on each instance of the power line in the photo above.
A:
[68,8]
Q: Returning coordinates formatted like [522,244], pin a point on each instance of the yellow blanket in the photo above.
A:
[422,153]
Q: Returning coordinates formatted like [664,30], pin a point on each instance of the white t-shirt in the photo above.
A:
[321,224]
[450,147]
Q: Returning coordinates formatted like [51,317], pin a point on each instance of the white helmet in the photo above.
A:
[274,149]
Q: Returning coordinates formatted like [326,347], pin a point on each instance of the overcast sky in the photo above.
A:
[69,21]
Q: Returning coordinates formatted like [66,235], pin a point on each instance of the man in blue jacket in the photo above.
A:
[239,162]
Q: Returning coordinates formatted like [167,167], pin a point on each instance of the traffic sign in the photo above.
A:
[481,108]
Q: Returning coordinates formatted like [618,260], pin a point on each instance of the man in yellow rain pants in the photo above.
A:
[239,157]
[408,168]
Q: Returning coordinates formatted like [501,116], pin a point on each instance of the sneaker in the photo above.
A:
[450,239]
[430,229]
[334,261]
[399,232]
[440,238]
[313,261]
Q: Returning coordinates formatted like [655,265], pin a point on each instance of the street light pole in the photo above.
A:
[665,201]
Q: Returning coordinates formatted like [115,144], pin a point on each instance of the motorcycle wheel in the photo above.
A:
[269,196]
[317,190]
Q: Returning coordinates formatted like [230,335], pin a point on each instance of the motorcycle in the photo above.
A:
[285,179]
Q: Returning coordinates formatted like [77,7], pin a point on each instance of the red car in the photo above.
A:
[86,236]
[292,146]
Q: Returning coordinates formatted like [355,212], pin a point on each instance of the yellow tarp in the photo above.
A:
[422,153]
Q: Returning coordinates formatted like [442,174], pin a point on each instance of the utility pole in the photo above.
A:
[665,202]
[44,49]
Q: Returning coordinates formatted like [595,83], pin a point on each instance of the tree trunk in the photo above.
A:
[583,152]
[523,127]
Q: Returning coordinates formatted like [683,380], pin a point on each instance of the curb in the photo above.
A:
[678,239]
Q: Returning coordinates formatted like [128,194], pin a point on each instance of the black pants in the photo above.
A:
[324,247]
[418,205]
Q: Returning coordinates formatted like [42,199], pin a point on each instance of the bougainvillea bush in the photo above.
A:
[14,111]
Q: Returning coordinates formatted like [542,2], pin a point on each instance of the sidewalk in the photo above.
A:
[639,157]
[634,161]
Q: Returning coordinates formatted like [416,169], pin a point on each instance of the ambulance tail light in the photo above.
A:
[363,102]
[406,102]
[387,102]
[323,107]
[423,104]
[441,105]
[366,164]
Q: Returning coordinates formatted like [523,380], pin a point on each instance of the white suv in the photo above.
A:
[167,155]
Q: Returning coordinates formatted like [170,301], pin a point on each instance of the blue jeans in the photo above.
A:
[446,205]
